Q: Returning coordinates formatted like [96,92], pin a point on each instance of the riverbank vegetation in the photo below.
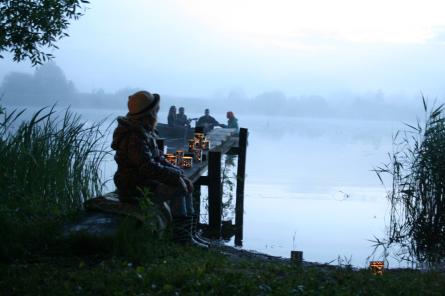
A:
[50,164]
[416,231]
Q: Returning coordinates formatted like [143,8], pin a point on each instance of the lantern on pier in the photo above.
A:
[192,144]
[187,162]
[199,136]
[205,144]
[198,154]
[171,158]
[179,155]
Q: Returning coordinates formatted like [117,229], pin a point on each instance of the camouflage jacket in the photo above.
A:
[139,161]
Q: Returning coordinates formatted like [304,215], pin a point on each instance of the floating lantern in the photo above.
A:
[171,158]
[377,267]
[187,162]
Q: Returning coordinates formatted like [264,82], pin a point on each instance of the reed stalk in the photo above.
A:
[49,165]
[417,192]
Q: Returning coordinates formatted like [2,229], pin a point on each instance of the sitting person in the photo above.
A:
[140,164]
[232,121]
[207,122]
[181,118]
[171,118]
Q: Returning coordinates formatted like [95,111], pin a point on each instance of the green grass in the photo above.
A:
[48,167]
[161,268]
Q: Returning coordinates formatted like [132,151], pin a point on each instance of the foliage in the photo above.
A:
[156,216]
[46,85]
[417,195]
[162,268]
[48,167]
[28,26]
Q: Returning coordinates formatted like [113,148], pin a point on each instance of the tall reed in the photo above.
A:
[417,194]
[48,166]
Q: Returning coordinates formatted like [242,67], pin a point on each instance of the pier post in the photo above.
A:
[197,199]
[240,177]
[215,194]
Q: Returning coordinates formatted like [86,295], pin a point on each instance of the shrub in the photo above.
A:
[417,195]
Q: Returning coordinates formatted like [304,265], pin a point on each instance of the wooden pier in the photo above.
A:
[104,213]
[222,141]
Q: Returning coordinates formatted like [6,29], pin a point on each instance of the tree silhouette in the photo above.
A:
[27,27]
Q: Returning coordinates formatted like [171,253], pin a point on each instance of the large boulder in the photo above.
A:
[104,214]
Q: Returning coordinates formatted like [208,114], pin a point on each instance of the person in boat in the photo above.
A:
[140,164]
[207,122]
[171,118]
[232,121]
[181,118]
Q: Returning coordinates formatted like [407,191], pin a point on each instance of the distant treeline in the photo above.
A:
[48,85]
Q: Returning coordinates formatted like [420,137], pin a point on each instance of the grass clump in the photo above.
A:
[417,195]
[48,167]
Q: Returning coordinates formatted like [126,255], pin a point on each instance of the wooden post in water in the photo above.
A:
[215,194]
[240,176]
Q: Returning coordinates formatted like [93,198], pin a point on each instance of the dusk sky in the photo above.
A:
[202,48]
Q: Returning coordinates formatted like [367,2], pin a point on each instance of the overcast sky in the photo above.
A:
[204,47]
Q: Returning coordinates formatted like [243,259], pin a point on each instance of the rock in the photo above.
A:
[104,214]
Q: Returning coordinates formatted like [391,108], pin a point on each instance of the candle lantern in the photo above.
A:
[198,154]
[179,155]
[187,162]
[192,144]
[189,154]
[205,144]
[377,267]
[199,136]
[171,158]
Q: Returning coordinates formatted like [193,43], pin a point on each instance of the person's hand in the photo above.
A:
[189,184]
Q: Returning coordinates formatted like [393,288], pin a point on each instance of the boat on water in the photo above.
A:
[176,132]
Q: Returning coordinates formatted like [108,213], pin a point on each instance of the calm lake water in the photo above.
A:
[309,185]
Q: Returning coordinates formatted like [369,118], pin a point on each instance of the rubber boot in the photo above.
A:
[195,232]
[182,232]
